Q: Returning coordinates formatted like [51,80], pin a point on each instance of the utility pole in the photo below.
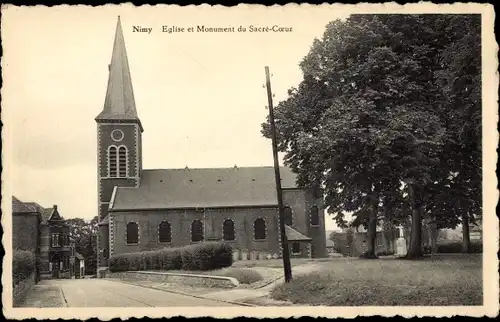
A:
[284,242]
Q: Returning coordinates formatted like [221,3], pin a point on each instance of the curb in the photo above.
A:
[182,293]
[221,281]
[65,302]
[268,283]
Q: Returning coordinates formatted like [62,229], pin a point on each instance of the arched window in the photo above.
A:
[228,230]
[122,161]
[113,161]
[259,229]
[117,161]
[287,211]
[132,233]
[314,216]
[164,232]
[196,231]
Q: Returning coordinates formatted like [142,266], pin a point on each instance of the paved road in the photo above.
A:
[105,293]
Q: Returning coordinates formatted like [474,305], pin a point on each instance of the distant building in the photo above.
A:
[330,246]
[44,232]
[142,210]
[79,266]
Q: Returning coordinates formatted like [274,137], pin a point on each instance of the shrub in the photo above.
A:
[243,275]
[23,265]
[163,259]
[426,249]
[205,256]
[456,247]
[385,253]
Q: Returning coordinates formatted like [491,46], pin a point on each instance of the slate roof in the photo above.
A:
[119,103]
[293,235]
[21,207]
[203,188]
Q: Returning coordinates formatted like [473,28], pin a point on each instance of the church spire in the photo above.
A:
[119,103]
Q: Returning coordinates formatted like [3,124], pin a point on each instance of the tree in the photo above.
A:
[460,81]
[362,120]
[84,236]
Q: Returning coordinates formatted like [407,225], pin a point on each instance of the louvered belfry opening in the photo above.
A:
[122,162]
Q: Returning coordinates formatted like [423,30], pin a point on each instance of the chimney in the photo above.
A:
[55,207]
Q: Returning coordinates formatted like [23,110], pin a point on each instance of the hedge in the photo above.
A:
[456,247]
[23,265]
[201,257]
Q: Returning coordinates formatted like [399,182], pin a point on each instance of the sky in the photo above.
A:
[200,96]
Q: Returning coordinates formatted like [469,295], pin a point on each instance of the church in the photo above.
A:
[141,210]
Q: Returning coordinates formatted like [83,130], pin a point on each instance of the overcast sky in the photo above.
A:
[199,95]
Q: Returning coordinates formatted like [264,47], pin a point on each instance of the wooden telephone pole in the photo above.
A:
[284,242]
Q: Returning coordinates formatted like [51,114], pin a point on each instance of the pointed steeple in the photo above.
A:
[119,103]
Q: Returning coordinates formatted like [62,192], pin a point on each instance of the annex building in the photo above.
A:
[142,209]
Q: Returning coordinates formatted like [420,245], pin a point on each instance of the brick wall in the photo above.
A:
[180,222]
[25,232]
[301,203]
[129,140]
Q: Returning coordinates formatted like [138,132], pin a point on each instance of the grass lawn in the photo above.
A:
[437,280]
[276,263]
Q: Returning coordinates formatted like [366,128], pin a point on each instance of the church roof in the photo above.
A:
[119,103]
[203,188]
[293,235]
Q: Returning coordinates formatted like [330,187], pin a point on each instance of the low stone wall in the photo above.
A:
[21,290]
[179,278]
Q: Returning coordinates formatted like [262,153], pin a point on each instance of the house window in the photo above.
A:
[55,240]
[132,233]
[287,212]
[228,230]
[314,216]
[259,229]
[117,161]
[197,231]
[164,232]
[296,248]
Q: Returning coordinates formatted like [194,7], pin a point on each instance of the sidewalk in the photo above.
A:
[42,295]
[250,294]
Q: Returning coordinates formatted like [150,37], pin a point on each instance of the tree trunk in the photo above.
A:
[465,233]
[415,249]
[372,233]
[434,238]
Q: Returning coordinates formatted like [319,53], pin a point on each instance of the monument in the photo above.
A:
[401,243]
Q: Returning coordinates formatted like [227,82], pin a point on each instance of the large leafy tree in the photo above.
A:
[367,120]
[357,121]
[460,84]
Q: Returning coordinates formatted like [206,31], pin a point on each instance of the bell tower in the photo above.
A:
[119,139]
